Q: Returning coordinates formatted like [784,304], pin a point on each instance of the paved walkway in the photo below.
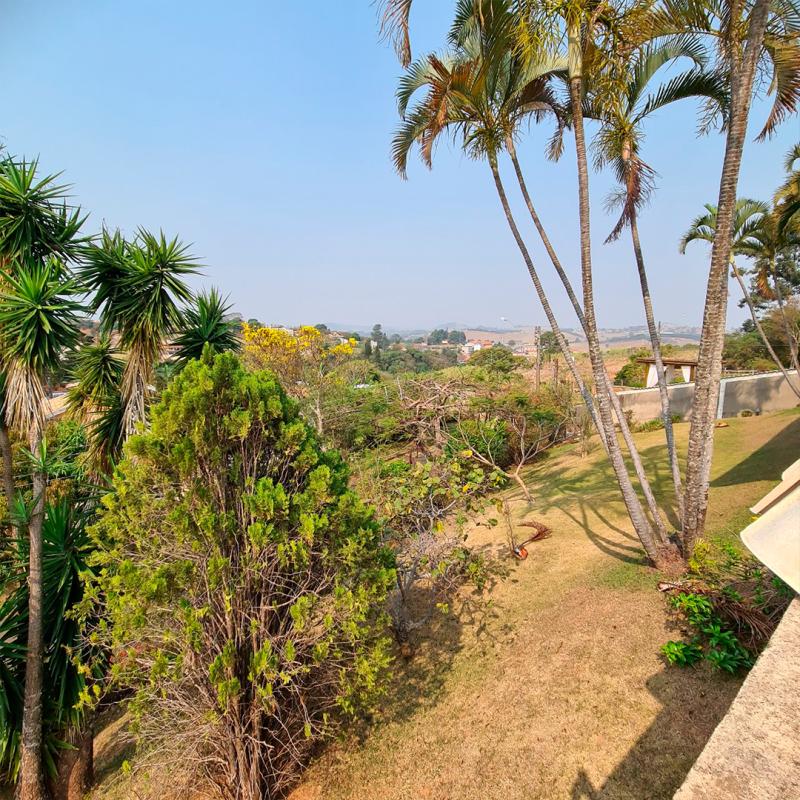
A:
[754,754]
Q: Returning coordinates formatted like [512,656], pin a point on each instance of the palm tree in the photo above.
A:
[753,236]
[35,222]
[461,98]
[753,40]
[787,198]
[618,144]
[205,323]
[139,286]
[39,323]
[489,30]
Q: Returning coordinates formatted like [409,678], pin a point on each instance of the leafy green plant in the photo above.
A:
[66,549]
[682,654]
[655,424]
[713,640]
[243,582]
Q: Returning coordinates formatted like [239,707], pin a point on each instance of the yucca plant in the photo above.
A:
[36,221]
[139,287]
[38,325]
[65,549]
[95,399]
[205,323]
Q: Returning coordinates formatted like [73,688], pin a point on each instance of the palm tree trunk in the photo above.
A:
[31,783]
[760,329]
[8,465]
[607,433]
[606,386]
[712,339]
[655,342]
[593,340]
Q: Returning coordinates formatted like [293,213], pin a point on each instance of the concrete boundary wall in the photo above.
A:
[768,391]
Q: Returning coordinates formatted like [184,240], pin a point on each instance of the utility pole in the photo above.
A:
[538,340]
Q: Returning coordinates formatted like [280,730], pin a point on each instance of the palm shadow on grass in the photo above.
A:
[590,497]
[767,462]
[693,702]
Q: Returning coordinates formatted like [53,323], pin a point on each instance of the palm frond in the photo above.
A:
[395,27]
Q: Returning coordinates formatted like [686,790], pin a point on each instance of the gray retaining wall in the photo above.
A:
[768,391]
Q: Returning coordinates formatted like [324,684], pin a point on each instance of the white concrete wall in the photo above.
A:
[759,393]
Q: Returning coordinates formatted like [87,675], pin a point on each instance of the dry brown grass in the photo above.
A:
[557,690]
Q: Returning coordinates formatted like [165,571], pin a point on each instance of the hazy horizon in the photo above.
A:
[261,134]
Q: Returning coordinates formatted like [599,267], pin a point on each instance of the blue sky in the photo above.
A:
[259,131]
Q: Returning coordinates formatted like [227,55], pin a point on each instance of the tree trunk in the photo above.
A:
[760,329]
[712,338]
[607,432]
[75,767]
[655,342]
[598,367]
[8,465]
[605,386]
[31,782]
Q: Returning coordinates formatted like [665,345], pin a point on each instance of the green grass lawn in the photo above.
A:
[558,690]
[553,686]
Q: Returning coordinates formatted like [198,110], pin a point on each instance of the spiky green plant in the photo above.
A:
[138,286]
[66,546]
[38,325]
[205,323]
[95,399]
[36,220]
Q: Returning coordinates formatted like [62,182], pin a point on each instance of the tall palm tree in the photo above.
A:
[753,234]
[36,221]
[206,323]
[138,286]
[38,324]
[618,144]
[488,29]
[752,40]
[461,98]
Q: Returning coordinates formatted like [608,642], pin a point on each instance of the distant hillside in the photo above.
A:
[634,336]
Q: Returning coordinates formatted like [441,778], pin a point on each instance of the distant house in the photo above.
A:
[672,366]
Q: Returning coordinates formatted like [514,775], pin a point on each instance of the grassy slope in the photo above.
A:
[558,691]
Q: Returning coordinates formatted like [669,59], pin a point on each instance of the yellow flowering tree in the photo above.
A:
[305,361]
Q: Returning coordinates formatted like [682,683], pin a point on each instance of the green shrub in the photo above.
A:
[656,424]
[243,581]
[714,640]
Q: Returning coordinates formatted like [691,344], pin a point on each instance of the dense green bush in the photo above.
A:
[244,583]
[497,359]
